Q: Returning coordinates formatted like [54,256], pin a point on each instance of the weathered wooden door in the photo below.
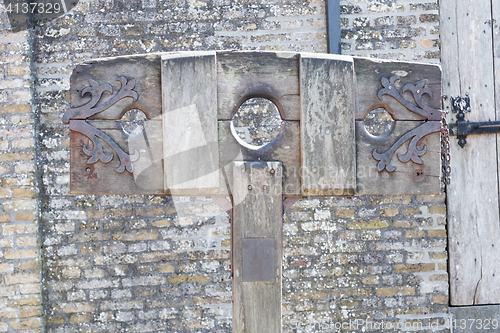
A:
[470,43]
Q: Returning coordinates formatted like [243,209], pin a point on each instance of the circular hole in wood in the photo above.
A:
[378,122]
[133,121]
[256,122]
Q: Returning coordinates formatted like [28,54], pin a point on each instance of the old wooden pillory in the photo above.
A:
[187,146]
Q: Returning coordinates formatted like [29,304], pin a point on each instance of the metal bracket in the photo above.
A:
[413,153]
[462,128]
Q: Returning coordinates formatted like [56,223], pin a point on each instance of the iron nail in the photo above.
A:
[249,187]
[327,132]
[264,187]
[315,170]
[272,171]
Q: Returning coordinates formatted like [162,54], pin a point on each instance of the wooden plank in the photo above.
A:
[272,75]
[191,150]
[369,73]
[472,196]
[146,71]
[404,180]
[327,125]
[285,148]
[257,214]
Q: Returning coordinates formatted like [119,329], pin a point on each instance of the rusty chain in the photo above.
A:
[445,149]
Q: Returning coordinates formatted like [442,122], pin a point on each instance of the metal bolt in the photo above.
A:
[315,170]
[87,170]
[389,88]
[328,132]
[467,94]
[264,187]
[249,187]
[468,109]
[272,171]
[188,128]
[418,91]
[445,97]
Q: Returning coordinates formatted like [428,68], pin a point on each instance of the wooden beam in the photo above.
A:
[257,247]
[191,149]
[327,125]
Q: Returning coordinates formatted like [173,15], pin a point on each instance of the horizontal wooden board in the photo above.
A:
[369,73]
[273,75]
[284,148]
[327,125]
[191,149]
[146,71]
[409,177]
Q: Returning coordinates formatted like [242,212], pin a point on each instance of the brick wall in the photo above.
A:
[19,246]
[145,263]
[391,29]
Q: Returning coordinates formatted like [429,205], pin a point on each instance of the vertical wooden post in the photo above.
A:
[257,247]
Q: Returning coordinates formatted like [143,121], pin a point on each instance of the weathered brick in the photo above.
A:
[441,210]
[415,234]
[344,213]
[20,254]
[165,268]
[17,108]
[120,305]
[436,233]
[74,307]
[429,18]
[79,318]
[29,312]
[25,324]
[24,217]
[371,224]
[395,291]
[414,268]
[14,157]
[196,278]
[134,236]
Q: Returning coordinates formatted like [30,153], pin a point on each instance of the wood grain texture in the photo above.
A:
[145,69]
[257,213]
[284,148]
[327,125]
[369,72]
[403,180]
[191,149]
[273,75]
[101,178]
[472,196]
